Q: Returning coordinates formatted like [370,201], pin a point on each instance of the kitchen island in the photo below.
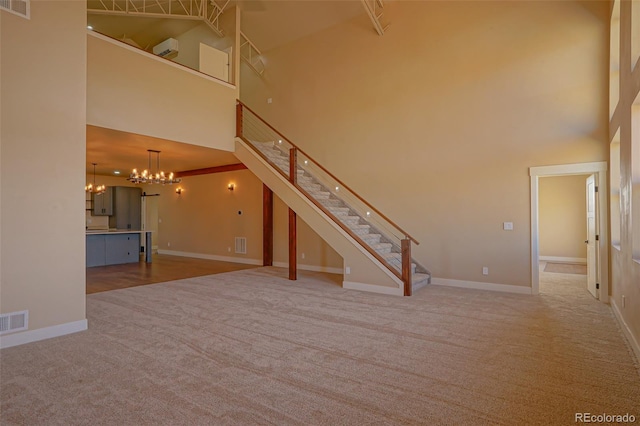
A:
[116,246]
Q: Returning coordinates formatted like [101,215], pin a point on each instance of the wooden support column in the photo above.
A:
[293,250]
[267,226]
[406,265]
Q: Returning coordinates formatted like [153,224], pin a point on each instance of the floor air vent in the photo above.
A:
[14,321]
[241,245]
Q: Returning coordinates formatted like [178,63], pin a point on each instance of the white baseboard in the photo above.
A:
[248,261]
[564,259]
[476,285]
[16,339]
[393,291]
[244,260]
[633,342]
[314,268]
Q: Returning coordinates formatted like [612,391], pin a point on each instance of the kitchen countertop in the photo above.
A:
[113,231]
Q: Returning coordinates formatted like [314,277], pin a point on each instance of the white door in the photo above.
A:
[214,62]
[592,243]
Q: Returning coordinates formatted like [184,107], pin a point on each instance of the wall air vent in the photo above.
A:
[241,245]
[14,321]
[18,7]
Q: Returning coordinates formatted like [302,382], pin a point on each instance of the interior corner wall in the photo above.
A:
[562,217]
[205,219]
[189,43]
[438,121]
[43,99]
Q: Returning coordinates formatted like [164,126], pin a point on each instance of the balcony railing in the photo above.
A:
[372,229]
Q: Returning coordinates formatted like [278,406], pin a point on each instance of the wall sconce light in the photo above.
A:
[179,190]
[231,187]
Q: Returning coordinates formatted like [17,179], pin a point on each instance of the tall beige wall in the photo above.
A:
[42,158]
[562,217]
[437,122]
[625,271]
[135,92]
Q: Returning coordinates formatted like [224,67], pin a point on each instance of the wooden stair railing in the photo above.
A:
[405,243]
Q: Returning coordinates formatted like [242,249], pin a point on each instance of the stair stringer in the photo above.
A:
[367,272]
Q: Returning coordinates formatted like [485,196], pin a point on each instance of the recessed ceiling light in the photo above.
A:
[116,172]
[89,27]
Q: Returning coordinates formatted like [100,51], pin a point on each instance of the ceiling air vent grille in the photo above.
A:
[14,321]
[19,7]
[241,245]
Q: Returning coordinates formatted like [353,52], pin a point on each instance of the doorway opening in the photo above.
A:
[562,201]
[595,222]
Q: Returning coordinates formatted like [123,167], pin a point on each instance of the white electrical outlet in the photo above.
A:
[269,100]
[302,255]
[485,270]
[229,249]
[507,226]
[347,270]
[168,244]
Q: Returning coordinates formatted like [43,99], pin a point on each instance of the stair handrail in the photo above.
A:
[240,105]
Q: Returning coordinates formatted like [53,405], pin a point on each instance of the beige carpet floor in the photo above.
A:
[566,268]
[252,348]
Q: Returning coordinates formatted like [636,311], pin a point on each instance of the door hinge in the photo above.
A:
[597,237]
[596,190]
[597,286]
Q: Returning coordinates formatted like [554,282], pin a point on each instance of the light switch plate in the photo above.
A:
[508,226]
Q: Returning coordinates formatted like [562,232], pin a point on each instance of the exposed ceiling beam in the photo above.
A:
[208,11]
[210,170]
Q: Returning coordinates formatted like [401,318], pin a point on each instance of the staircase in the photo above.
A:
[368,227]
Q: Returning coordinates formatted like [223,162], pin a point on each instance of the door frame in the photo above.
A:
[600,170]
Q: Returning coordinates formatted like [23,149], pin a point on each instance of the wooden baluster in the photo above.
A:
[238,120]
[406,265]
[293,165]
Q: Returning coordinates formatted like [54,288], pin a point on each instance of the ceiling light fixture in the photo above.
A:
[92,187]
[147,177]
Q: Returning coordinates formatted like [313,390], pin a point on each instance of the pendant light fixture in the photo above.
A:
[92,187]
[148,177]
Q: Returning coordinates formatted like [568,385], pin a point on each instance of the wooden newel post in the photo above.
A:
[293,246]
[238,119]
[293,165]
[267,226]
[406,265]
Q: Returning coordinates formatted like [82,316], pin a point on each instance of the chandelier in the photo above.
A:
[92,187]
[148,177]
